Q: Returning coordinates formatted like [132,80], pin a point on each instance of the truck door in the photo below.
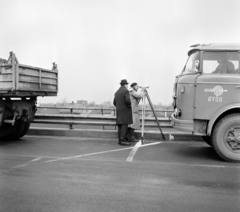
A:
[218,86]
[185,89]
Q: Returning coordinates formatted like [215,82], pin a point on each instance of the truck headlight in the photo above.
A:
[177,112]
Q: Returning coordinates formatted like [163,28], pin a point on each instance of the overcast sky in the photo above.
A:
[96,43]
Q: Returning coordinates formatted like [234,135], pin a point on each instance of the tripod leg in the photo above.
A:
[143,116]
[150,103]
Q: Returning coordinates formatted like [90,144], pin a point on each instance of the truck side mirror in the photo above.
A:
[196,65]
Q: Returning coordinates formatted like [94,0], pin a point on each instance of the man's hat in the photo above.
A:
[123,82]
[133,84]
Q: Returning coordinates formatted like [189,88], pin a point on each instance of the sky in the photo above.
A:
[96,43]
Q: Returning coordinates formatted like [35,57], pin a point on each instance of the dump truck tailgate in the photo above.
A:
[23,80]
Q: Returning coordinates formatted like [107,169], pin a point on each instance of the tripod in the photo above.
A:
[143,115]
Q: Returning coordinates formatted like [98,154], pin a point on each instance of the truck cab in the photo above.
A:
[206,97]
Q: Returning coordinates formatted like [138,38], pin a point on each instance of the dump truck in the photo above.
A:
[20,85]
[206,97]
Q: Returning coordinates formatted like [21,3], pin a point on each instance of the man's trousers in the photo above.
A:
[122,131]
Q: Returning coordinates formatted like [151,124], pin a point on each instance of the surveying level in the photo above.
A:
[144,87]
[143,113]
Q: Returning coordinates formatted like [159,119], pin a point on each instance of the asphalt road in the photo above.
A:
[80,174]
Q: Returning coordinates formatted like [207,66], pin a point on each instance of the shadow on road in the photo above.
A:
[198,152]
[13,142]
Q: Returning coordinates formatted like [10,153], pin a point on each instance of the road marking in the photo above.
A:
[52,158]
[36,159]
[84,155]
[133,152]
[27,163]
[150,144]
[135,148]
[197,165]
[97,153]
[30,156]
[63,138]
[210,166]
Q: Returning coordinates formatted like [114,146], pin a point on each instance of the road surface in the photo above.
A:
[80,174]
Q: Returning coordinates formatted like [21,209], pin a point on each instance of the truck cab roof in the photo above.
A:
[215,47]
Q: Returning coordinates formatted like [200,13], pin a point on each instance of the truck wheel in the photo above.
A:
[226,138]
[27,126]
[6,131]
[208,140]
[20,127]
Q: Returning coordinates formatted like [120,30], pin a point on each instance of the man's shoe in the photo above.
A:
[124,143]
[132,140]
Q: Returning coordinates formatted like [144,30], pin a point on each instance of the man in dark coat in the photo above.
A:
[124,112]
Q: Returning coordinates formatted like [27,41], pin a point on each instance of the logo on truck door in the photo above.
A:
[218,91]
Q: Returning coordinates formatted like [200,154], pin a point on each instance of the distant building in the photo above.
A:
[82,103]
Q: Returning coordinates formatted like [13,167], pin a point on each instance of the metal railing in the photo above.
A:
[71,109]
[94,120]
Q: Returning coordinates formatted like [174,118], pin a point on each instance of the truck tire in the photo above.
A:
[226,138]
[207,139]
[6,131]
[19,130]
[27,126]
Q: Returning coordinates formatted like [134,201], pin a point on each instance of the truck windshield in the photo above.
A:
[220,62]
[192,64]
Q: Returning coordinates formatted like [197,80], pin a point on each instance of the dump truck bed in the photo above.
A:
[18,80]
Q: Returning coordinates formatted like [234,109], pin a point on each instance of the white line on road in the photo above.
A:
[130,158]
[209,166]
[135,148]
[197,165]
[27,163]
[36,159]
[84,155]
[97,153]
[150,144]
[133,152]
[30,156]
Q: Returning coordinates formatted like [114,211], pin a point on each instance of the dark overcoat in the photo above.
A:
[123,106]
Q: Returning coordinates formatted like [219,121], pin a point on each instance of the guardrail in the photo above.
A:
[71,120]
[71,109]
